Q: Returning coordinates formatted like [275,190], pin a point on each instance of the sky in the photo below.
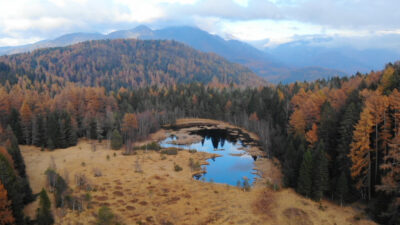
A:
[361,23]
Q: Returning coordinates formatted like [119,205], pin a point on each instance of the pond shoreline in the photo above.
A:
[191,126]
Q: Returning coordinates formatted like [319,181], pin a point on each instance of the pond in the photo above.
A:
[233,166]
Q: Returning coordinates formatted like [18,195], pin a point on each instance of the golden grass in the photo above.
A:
[158,194]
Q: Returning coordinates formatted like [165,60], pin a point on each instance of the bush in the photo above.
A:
[151,146]
[170,151]
[192,150]
[97,172]
[105,216]
[194,166]
[177,168]
[116,140]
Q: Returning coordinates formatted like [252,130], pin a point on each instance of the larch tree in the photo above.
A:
[394,102]
[129,126]
[377,105]
[6,216]
[297,122]
[312,136]
[360,153]
[391,167]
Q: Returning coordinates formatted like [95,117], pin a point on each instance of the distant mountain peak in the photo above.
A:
[142,28]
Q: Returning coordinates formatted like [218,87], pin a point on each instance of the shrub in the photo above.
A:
[177,168]
[194,166]
[97,172]
[192,150]
[151,146]
[105,216]
[170,151]
[116,140]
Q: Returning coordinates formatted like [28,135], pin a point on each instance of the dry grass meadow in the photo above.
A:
[145,189]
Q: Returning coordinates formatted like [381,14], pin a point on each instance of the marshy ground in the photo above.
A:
[145,188]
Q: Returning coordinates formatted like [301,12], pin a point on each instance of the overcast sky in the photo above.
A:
[367,23]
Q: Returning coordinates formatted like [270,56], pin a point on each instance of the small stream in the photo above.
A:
[232,167]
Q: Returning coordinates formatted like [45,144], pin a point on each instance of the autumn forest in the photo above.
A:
[336,139]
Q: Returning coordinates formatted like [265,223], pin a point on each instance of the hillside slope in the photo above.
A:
[261,63]
[133,63]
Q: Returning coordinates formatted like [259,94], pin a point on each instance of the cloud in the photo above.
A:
[232,10]
[365,14]
[279,21]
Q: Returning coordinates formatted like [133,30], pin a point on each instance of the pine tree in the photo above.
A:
[26,122]
[304,182]
[346,129]
[116,140]
[6,216]
[43,214]
[38,131]
[15,152]
[12,184]
[320,172]
[342,187]
[15,123]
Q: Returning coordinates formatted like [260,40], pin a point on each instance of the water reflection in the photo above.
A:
[234,164]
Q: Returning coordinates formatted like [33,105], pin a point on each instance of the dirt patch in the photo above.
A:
[118,193]
[101,198]
[130,207]
[297,217]
[265,204]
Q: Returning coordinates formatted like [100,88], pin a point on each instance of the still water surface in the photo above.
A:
[234,164]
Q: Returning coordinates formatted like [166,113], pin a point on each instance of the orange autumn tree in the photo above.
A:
[6,216]
[129,126]
[391,179]
[297,122]
[377,105]
[312,135]
[360,153]
[394,102]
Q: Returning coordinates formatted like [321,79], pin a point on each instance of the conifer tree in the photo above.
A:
[12,184]
[43,214]
[304,182]
[26,121]
[342,187]
[360,153]
[320,172]
[15,123]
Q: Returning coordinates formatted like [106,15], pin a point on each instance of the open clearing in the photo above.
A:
[159,195]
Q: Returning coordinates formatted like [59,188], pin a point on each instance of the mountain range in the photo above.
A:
[128,63]
[294,61]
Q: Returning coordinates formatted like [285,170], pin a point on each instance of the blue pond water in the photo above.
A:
[228,169]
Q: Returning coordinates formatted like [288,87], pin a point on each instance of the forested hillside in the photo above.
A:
[336,139]
[131,63]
